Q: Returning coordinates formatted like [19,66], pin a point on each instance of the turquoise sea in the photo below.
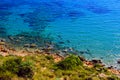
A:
[92,25]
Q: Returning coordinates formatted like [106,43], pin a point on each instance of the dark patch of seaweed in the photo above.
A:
[75,14]
[3,32]
[98,9]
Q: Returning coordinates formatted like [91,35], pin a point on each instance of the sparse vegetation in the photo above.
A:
[43,67]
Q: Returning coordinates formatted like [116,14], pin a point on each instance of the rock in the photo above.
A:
[29,50]
[2,43]
[38,51]
[2,40]
[17,40]
[102,75]
[83,52]
[111,67]
[11,38]
[26,45]
[118,61]
[50,47]
[61,53]
[3,54]
[33,45]
[12,49]
[57,57]
[88,64]
[20,37]
[96,61]
[114,71]
[3,49]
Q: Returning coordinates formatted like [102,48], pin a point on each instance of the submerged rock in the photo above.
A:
[11,38]
[95,61]
[33,45]
[26,45]
[2,40]
[118,61]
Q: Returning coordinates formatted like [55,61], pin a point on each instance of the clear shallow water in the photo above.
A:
[81,24]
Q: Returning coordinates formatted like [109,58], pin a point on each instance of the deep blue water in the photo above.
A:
[82,24]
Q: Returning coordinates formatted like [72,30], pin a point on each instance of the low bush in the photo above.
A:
[12,64]
[6,75]
[25,70]
[17,66]
[70,63]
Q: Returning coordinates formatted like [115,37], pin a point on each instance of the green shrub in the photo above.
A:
[6,75]
[12,65]
[113,78]
[25,70]
[16,66]
[70,63]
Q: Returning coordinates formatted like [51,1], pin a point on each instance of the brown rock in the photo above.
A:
[88,63]
[3,54]
[57,58]
[102,75]
[12,49]
[38,51]
[114,71]
[2,43]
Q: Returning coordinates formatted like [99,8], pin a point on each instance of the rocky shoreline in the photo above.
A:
[31,49]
